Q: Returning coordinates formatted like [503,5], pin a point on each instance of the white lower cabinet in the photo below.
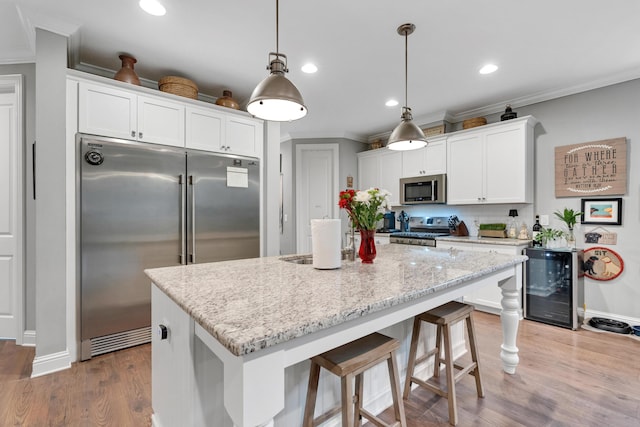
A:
[488,298]
[380,239]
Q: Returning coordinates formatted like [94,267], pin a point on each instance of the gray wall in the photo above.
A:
[591,116]
[29,132]
[50,221]
[604,113]
[348,167]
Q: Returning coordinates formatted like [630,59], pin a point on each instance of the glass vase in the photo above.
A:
[571,239]
[367,250]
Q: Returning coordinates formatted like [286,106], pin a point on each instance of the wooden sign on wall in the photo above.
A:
[597,168]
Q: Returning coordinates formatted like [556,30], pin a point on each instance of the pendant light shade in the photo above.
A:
[407,135]
[276,98]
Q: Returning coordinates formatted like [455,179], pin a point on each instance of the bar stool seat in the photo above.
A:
[443,317]
[349,361]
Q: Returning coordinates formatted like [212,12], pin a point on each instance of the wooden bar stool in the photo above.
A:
[349,361]
[443,317]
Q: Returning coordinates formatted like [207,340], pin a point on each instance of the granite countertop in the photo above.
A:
[484,240]
[256,303]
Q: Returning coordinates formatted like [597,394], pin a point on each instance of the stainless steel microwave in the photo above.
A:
[423,189]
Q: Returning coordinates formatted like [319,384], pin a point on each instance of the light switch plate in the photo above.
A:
[544,219]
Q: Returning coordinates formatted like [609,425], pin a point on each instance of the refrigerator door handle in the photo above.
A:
[183,208]
[192,232]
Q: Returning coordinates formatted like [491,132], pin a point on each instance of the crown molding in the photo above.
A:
[148,83]
[498,107]
[324,135]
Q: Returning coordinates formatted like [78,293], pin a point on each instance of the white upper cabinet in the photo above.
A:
[244,136]
[110,111]
[130,114]
[390,173]
[107,111]
[368,169]
[430,160]
[160,121]
[491,164]
[381,168]
[205,129]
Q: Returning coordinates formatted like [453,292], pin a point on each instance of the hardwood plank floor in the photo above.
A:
[565,378]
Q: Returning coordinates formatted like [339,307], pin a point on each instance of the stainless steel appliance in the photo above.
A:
[423,189]
[422,231]
[143,206]
[553,286]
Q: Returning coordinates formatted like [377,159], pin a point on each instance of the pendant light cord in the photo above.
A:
[406,68]
[277,26]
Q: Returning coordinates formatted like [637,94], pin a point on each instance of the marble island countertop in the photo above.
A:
[251,304]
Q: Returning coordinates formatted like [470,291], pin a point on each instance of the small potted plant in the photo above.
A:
[548,236]
[570,218]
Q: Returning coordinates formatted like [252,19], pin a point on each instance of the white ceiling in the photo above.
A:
[544,48]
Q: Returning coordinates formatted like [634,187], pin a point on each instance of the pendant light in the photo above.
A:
[276,98]
[407,135]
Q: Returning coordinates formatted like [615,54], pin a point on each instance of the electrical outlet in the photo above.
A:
[544,219]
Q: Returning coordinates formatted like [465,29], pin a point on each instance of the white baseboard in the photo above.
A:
[593,313]
[50,363]
[29,338]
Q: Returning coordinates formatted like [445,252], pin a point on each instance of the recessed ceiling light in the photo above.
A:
[488,69]
[309,68]
[391,103]
[152,7]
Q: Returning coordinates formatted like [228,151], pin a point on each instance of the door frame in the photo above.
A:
[300,152]
[13,84]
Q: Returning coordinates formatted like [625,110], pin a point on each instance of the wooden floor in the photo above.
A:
[565,378]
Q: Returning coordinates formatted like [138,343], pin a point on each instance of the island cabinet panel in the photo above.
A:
[489,298]
[491,164]
[430,160]
[187,378]
[381,168]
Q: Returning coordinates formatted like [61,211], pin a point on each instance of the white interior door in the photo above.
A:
[11,232]
[316,189]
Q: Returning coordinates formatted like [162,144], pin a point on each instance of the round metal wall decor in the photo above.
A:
[601,263]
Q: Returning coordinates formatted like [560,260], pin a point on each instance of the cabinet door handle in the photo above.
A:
[133,133]
[140,135]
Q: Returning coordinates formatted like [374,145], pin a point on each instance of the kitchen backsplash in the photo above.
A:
[473,215]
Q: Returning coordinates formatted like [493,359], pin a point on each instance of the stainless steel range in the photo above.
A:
[422,231]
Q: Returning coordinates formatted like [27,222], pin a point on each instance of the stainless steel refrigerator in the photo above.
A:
[142,206]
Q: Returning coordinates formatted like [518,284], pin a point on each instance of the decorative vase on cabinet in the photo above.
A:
[126,73]
[367,251]
[226,100]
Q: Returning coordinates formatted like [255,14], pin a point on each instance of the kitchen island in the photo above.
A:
[261,316]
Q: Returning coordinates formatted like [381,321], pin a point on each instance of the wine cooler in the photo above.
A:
[553,286]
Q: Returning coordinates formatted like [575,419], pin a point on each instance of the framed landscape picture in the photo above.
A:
[602,211]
